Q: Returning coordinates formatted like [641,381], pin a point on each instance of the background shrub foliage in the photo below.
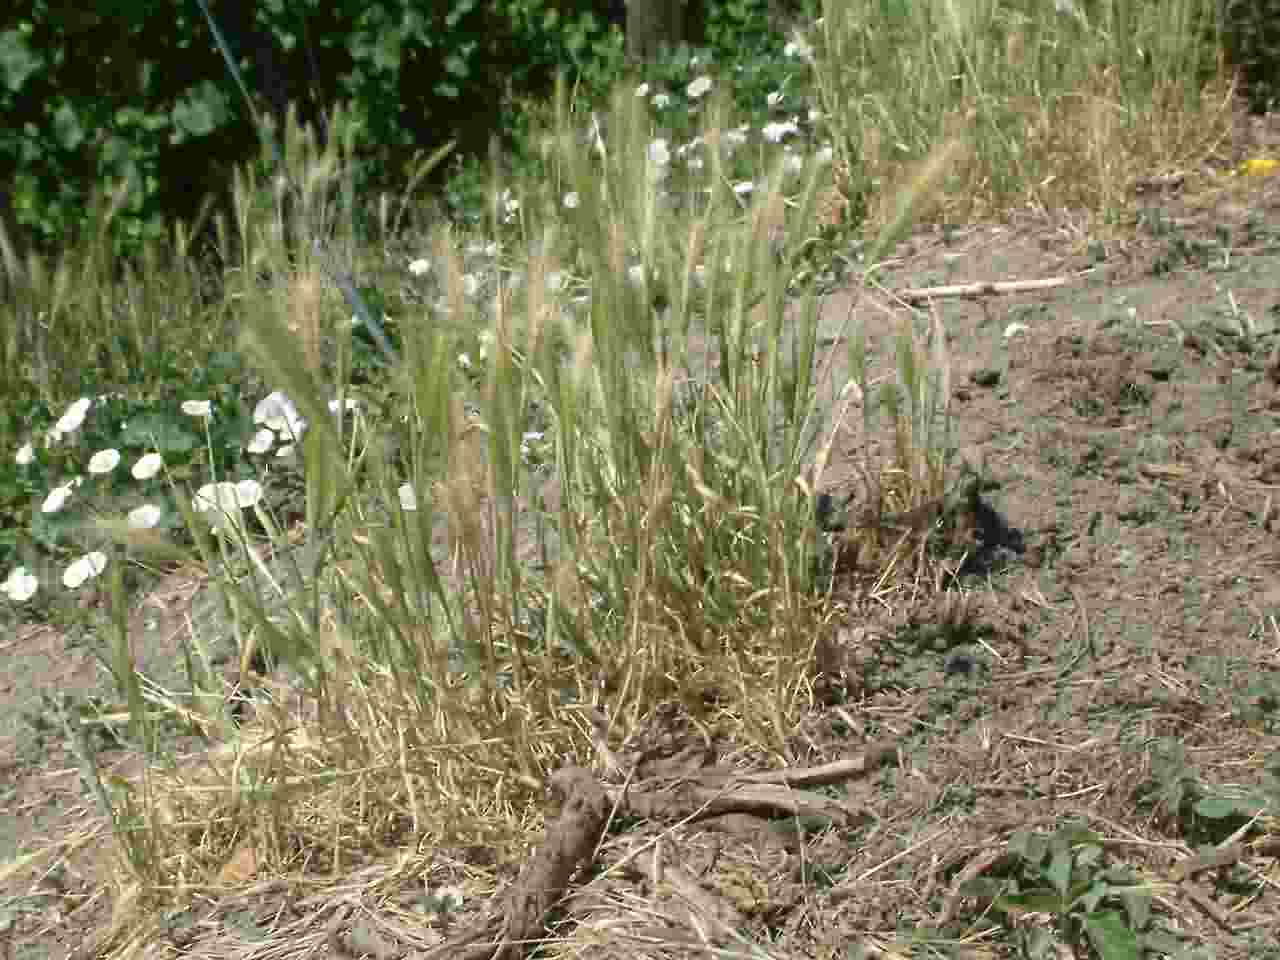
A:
[103,93]
[99,93]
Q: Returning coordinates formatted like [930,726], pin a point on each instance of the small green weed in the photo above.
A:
[1059,892]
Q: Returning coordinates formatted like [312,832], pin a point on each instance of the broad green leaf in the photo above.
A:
[117,153]
[1088,855]
[1161,941]
[1074,835]
[985,888]
[1137,903]
[1217,808]
[1090,895]
[1020,840]
[1033,901]
[1111,937]
[1041,943]
[460,9]
[200,112]
[387,52]
[1059,872]
[159,433]
[17,62]
[67,128]
[455,66]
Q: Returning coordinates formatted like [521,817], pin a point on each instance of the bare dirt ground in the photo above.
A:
[1116,666]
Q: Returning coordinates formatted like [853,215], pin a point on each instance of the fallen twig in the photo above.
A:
[980,289]
[692,800]
[572,839]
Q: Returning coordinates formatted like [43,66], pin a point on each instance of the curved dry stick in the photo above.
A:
[571,840]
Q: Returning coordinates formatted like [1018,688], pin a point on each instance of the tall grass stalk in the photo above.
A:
[84,316]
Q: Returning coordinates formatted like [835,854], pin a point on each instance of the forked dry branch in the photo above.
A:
[589,807]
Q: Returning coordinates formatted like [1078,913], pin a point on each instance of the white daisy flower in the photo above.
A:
[408,498]
[148,466]
[698,87]
[85,568]
[144,517]
[775,132]
[197,408]
[20,586]
[277,412]
[72,418]
[56,499]
[104,461]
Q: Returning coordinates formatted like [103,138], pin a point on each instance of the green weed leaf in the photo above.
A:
[1138,905]
[1158,941]
[1111,937]
[456,66]
[387,52]
[984,888]
[1032,901]
[1059,872]
[1090,895]
[1020,843]
[1218,808]
[159,433]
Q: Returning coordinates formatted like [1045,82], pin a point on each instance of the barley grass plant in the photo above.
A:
[450,638]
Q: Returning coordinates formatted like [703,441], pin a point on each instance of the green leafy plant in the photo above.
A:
[1204,813]
[1064,877]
